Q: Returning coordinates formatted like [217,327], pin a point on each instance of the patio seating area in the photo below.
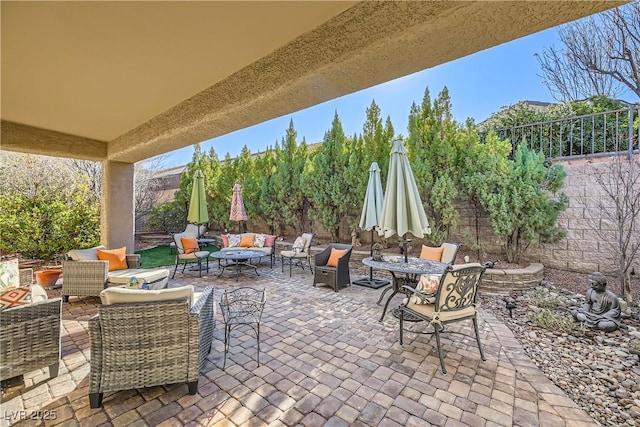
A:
[324,359]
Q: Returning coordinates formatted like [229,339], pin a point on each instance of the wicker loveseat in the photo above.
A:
[30,335]
[167,343]
[84,275]
[251,241]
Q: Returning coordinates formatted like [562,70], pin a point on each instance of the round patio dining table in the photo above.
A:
[413,268]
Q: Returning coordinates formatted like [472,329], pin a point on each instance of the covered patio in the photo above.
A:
[121,82]
[325,359]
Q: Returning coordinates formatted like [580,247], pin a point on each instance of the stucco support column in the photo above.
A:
[117,226]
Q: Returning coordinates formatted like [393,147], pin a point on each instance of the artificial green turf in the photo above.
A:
[160,256]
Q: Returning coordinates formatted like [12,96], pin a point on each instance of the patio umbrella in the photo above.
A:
[238,213]
[402,209]
[370,218]
[198,213]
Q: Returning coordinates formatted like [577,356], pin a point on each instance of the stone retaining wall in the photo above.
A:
[497,281]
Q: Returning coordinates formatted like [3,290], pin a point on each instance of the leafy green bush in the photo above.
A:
[517,194]
[167,218]
[48,224]
[543,299]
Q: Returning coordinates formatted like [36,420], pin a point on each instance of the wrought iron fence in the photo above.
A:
[589,135]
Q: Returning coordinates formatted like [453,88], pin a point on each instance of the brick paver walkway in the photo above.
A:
[325,360]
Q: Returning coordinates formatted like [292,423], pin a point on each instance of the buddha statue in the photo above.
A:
[601,309]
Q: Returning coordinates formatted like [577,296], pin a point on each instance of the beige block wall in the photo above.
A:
[583,249]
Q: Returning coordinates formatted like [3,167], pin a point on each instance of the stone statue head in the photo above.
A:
[598,281]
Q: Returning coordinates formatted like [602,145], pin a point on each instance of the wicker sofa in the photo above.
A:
[268,247]
[85,276]
[166,344]
[30,335]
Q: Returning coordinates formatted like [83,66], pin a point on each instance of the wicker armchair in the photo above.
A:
[337,277]
[167,343]
[88,278]
[30,335]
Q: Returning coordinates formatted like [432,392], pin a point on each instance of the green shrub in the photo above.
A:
[543,299]
[547,319]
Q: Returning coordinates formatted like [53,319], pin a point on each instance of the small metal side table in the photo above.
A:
[413,268]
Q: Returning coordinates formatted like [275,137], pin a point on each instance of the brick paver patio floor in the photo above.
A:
[325,360]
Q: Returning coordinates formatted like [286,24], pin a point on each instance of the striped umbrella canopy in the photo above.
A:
[198,213]
[238,213]
[402,210]
[372,209]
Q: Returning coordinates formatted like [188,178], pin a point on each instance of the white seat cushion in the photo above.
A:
[429,311]
[194,255]
[143,275]
[294,254]
[124,295]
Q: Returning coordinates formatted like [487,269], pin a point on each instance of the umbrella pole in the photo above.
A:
[405,245]
[371,268]
[371,282]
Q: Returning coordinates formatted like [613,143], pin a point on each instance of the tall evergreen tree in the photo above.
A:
[291,200]
[324,181]
[436,158]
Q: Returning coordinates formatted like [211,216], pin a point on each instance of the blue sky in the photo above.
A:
[478,84]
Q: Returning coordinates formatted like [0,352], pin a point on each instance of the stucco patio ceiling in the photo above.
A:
[124,81]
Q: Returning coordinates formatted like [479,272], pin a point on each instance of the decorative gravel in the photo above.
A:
[599,371]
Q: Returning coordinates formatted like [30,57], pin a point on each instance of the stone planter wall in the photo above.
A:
[498,281]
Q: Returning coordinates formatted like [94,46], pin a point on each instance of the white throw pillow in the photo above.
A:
[258,240]
[9,274]
[234,240]
[298,243]
[38,294]
[85,254]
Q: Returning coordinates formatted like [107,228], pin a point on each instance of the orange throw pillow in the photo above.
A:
[336,254]
[433,254]
[190,244]
[117,258]
[247,240]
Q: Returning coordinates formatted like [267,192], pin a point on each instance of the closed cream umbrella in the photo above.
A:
[402,210]
[370,218]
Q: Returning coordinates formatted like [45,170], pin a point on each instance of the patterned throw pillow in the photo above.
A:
[9,274]
[234,240]
[259,240]
[14,297]
[428,284]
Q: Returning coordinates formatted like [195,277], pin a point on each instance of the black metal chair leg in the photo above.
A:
[258,340]
[437,334]
[475,326]
[401,324]
[174,270]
